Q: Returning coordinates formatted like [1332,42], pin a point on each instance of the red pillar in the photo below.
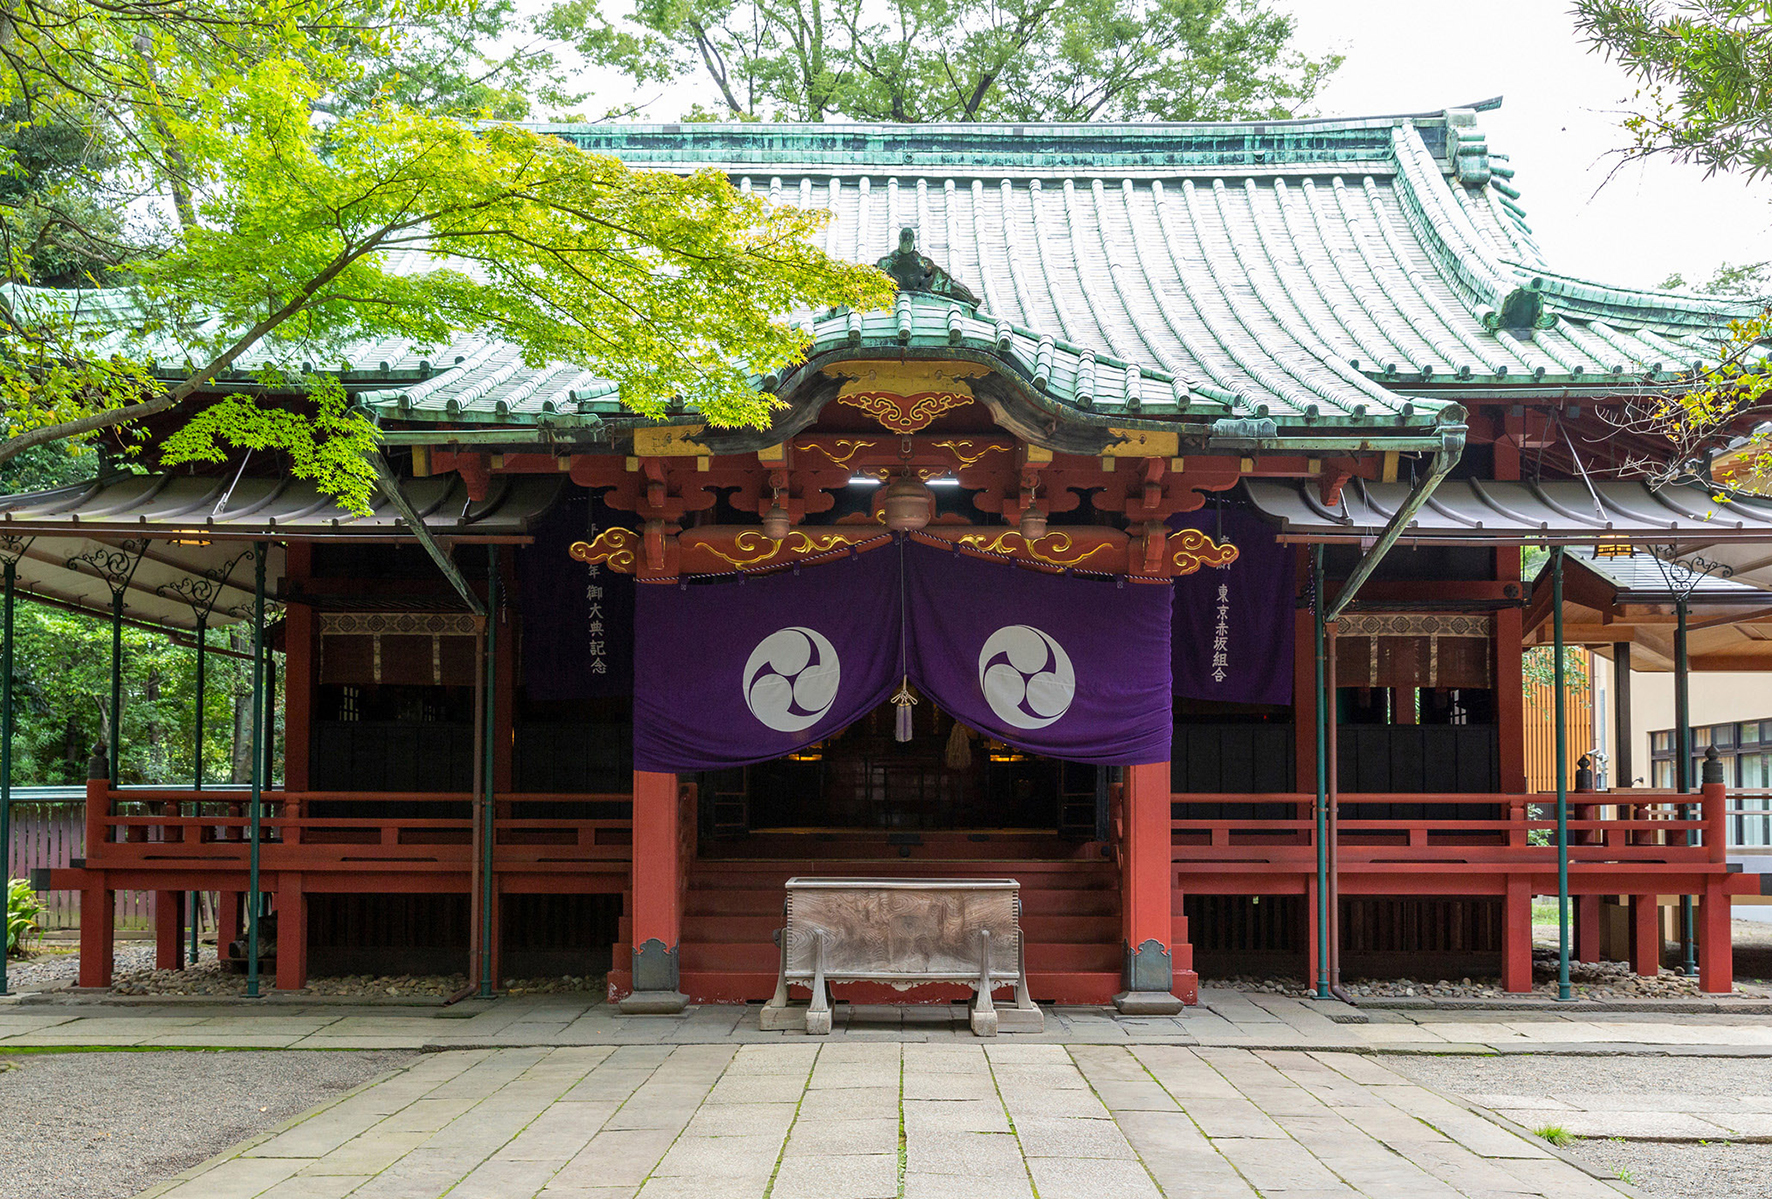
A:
[657,890]
[98,904]
[1510,699]
[1716,954]
[1587,927]
[1516,936]
[292,932]
[1645,936]
[1147,896]
[98,923]
[169,914]
[230,919]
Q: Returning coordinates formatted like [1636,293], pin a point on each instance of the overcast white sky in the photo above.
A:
[1559,120]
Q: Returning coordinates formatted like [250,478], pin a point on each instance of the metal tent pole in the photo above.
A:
[10,570]
[261,552]
[486,765]
[197,771]
[270,745]
[1562,767]
[1322,830]
[1683,766]
[116,680]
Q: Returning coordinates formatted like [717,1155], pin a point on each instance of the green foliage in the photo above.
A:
[1730,279]
[1556,1134]
[1705,73]
[320,185]
[1538,668]
[959,60]
[23,910]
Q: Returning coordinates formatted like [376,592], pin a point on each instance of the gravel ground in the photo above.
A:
[109,1125]
[55,968]
[1714,1170]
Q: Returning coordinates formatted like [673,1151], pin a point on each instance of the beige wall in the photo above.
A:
[1715,698]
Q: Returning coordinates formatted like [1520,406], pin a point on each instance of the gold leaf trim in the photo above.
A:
[1192,549]
[1050,549]
[905,414]
[797,543]
[959,449]
[855,447]
[618,547]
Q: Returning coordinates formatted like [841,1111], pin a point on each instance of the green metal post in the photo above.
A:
[1683,766]
[10,570]
[197,774]
[270,746]
[1322,830]
[487,823]
[261,552]
[1562,766]
[116,680]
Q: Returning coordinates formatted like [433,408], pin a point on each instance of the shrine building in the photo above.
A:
[1159,548]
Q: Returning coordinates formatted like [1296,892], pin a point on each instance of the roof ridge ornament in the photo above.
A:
[913,271]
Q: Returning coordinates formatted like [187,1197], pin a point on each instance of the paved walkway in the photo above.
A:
[851,1120]
[1224,1018]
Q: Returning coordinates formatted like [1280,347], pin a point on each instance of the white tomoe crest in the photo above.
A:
[791,679]
[1026,676]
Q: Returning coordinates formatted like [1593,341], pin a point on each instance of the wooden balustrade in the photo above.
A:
[1642,831]
[331,830]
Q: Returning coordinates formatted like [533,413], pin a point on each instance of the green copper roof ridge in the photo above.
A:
[1300,330]
[1457,251]
[1217,381]
[1066,322]
[1566,286]
[1152,345]
[1073,218]
[991,294]
[1495,352]
[1384,320]
[1441,339]
[1011,243]
[995,128]
[1367,349]
[1286,384]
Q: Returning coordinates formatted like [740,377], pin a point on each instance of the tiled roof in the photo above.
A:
[1326,273]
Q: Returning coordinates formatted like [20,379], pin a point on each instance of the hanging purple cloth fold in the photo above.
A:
[733,673]
[1233,627]
[578,620]
[1060,665]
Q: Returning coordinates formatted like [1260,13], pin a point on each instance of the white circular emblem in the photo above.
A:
[791,679]
[1026,676]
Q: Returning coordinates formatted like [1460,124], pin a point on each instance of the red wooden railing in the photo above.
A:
[182,829]
[1638,832]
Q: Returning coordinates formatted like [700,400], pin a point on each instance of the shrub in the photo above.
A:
[23,907]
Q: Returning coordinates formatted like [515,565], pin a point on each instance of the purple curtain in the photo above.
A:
[578,620]
[1233,627]
[1061,665]
[731,673]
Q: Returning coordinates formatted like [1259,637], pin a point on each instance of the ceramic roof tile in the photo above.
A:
[1307,271]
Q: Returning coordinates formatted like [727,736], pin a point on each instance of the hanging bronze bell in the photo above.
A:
[775,523]
[907,504]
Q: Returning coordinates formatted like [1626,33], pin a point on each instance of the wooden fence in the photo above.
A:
[47,834]
[1541,728]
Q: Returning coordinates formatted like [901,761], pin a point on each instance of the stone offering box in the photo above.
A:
[903,933]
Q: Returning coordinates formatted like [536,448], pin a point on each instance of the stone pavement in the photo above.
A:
[853,1120]
[1223,1018]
